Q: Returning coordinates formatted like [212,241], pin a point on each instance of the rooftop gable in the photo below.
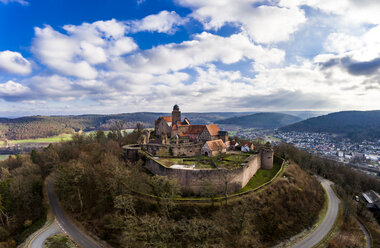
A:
[216,145]
[195,129]
[213,129]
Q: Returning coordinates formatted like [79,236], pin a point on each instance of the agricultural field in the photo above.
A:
[228,161]
[3,157]
[53,139]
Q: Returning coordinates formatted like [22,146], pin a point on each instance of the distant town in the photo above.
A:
[364,155]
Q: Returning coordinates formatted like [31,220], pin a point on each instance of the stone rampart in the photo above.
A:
[195,181]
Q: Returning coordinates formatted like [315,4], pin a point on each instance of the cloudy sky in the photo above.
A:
[93,56]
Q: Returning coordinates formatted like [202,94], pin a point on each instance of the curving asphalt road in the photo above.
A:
[66,225]
[367,237]
[41,236]
[327,223]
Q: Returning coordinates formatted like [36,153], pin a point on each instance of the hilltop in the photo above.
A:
[356,125]
[261,120]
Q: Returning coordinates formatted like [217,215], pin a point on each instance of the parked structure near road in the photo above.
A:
[372,198]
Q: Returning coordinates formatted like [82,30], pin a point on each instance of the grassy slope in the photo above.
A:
[261,177]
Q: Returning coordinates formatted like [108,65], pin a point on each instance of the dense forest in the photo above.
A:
[45,126]
[21,200]
[261,120]
[356,125]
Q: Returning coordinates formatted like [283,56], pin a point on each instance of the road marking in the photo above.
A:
[60,226]
[37,234]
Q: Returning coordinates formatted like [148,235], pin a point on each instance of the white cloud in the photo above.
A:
[122,46]
[11,89]
[14,63]
[204,48]
[22,2]
[265,24]
[163,22]
[83,47]
[362,48]
[353,11]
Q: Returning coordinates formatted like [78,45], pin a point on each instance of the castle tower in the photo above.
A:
[176,114]
[266,154]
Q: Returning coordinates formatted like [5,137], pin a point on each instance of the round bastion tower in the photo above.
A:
[266,153]
[176,114]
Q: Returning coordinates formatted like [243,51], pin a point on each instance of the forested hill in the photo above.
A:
[262,120]
[356,125]
[45,126]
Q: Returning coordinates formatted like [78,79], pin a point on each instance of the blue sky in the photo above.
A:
[73,57]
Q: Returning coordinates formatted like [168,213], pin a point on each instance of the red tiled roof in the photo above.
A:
[249,144]
[174,127]
[167,118]
[213,129]
[216,145]
[195,129]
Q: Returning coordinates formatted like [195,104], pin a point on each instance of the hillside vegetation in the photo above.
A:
[46,126]
[262,120]
[96,185]
[356,125]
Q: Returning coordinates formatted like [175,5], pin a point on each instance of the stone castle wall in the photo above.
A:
[197,180]
[181,150]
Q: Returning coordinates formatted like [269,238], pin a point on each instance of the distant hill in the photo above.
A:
[261,120]
[45,126]
[356,125]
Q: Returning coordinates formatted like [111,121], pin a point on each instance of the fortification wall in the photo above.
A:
[197,180]
[181,150]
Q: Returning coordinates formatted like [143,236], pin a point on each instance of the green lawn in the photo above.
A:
[261,177]
[229,161]
[3,157]
[54,139]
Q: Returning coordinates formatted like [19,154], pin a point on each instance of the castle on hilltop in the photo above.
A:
[173,126]
[179,140]
[177,137]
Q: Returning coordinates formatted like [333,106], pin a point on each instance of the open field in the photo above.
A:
[3,157]
[54,139]
[202,162]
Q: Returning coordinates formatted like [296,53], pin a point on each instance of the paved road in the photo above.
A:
[327,223]
[66,225]
[41,236]
[367,237]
